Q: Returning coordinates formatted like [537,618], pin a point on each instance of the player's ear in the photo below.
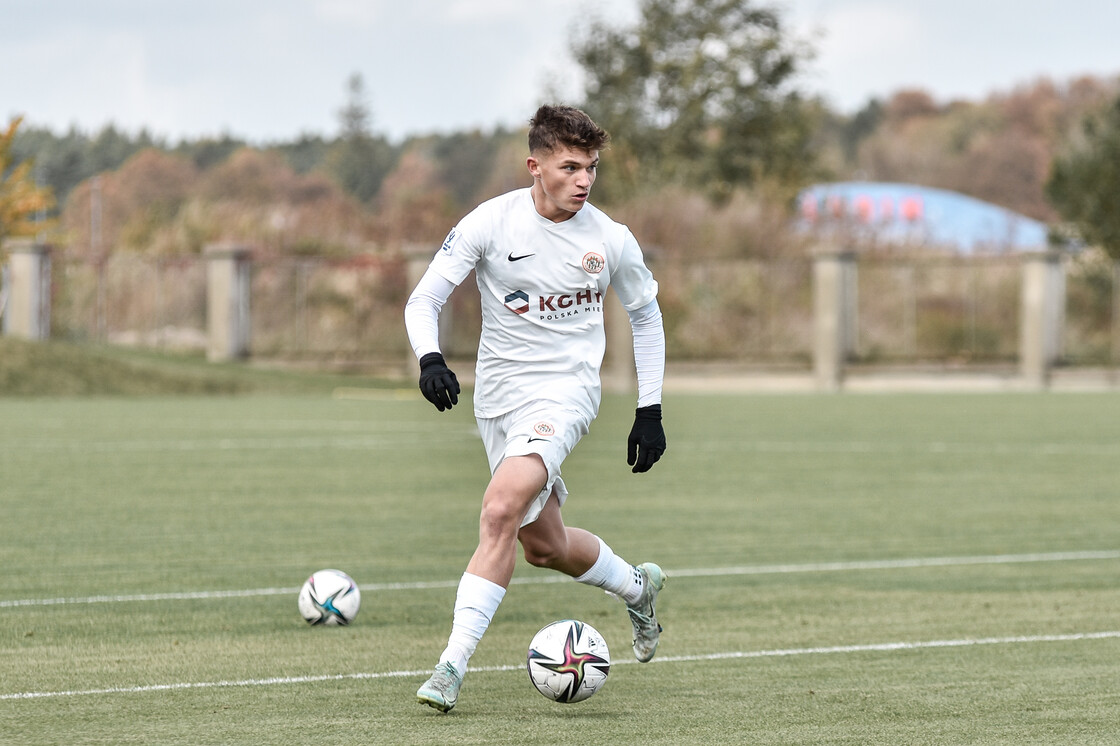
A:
[534,167]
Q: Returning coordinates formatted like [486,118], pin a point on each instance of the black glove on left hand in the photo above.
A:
[647,439]
[438,384]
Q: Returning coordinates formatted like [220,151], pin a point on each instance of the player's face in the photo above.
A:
[562,181]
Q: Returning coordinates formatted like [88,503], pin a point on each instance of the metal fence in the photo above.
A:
[757,312]
[300,308]
[1091,334]
[946,310]
[738,310]
[130,300]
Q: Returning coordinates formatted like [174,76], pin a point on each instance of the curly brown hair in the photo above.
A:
[554,127]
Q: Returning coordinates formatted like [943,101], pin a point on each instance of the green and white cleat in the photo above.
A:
[647,632]
[441,691]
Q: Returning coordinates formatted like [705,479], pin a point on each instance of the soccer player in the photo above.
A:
[543,258]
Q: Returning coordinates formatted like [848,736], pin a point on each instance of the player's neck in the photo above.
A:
[548,209]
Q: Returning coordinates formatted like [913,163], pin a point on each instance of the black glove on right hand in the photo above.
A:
[437,383]
[647,439]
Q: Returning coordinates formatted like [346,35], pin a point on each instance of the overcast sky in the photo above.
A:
[270,70]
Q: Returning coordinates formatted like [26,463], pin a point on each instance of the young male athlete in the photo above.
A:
[543,258]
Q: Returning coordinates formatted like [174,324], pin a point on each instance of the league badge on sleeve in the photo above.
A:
[449,241]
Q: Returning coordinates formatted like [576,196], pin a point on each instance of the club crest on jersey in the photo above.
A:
[593,262]
[517,301]
[449,241]
[544,429]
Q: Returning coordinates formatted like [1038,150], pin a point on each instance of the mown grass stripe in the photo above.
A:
[882,647]
[809,567]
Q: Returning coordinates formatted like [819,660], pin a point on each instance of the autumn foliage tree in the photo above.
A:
[23,204]
[161,203]
[998,149]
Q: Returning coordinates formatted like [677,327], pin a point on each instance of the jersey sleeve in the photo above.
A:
[649,352]
[464,246]
[631,279]
[421,312]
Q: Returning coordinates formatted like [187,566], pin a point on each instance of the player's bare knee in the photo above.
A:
[543,549]
[541,555]
[500,516]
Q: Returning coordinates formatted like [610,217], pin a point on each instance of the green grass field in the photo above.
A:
[846,569]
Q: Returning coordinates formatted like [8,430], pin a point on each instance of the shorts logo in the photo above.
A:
[593,262]
[544,428]
[517,301]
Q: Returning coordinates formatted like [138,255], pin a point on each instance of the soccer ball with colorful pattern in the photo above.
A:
[329,598]
[568,661]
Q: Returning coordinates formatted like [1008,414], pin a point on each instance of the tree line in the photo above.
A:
[711,121]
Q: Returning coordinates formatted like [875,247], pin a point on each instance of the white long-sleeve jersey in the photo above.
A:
[542,286]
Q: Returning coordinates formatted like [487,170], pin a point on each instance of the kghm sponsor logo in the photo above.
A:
[552,307]
[562,306]
[517,301]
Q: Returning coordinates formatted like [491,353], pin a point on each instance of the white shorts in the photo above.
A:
[545,428]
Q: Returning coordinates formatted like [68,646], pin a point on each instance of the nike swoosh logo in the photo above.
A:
[513,258]
[532,439]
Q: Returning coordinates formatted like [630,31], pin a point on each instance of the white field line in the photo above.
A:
[884,647]
[812,567]
[931,447]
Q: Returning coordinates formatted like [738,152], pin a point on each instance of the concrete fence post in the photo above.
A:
[1042,316]
[835,281]
[227,301]
[26,291]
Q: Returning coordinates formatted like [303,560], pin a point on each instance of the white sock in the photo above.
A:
[475,604]
[614,575]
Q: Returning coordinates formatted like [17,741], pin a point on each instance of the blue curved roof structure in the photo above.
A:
[910,214]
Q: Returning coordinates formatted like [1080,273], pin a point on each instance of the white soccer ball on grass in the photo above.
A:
[568,661]
[330,598]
